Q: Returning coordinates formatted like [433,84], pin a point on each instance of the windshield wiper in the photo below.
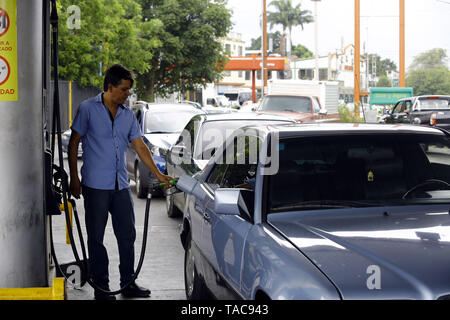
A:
[323,204]
[159,132]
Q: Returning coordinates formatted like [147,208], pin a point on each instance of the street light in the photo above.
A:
[316,54]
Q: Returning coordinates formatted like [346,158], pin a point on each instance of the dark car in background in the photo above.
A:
[327,211]
[428,110]
[200,139]
[161,124]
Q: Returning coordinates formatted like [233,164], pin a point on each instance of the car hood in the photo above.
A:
[162,140]
[373,253]
[297,116]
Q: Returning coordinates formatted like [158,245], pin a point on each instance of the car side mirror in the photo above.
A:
[229,201]
[323,112]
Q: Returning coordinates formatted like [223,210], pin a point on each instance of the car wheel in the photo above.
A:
[141,183]
[172,210]
[193,284]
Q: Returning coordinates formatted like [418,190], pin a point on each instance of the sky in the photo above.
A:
[427,25]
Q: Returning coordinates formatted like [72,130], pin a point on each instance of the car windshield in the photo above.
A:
[214,133]
[167,121]
[286,103]
[357,171]
[231,96]
[245,96]
[434,103]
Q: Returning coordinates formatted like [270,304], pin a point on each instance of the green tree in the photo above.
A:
[429,81]
[190,50]
[383,66]
[432,59]
[302,52]
[429,73]
[288,17]
[384,81]
[108,34]
[255,44]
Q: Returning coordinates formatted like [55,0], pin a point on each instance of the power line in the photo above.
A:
[384,16]
[443,1]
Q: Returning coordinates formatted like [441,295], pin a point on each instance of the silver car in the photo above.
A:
[321,211]
[201,136]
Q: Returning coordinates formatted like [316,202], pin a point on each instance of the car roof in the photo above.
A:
[335,129]
[242,116]
[290,95]
[173,107]
[425,96]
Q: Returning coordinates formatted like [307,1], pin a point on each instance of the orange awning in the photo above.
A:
[254,63]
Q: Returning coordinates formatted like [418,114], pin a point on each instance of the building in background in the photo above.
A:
[234,46]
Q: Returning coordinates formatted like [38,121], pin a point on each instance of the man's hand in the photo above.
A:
[75,184]
[146,157]
[165,179]
[75,188]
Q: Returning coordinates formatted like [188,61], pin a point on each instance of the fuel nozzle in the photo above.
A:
[171,190]
[173,182]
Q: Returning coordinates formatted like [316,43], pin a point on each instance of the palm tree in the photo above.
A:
[288,17]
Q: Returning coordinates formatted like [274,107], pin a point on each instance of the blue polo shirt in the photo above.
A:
[104,143]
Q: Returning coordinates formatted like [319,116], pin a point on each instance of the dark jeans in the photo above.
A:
[97,204]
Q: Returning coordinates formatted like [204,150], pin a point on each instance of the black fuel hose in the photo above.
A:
[56,131]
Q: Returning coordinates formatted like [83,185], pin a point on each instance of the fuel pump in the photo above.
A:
[33,188]
[23,95]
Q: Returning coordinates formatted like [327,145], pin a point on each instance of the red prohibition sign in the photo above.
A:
[7,67]
[4,22]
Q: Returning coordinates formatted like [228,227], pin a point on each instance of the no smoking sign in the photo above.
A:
[4,70]
[4,22]
[8,51]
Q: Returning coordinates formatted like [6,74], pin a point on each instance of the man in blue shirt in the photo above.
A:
[105,126]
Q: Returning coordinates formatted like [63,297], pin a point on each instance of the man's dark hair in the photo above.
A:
[115,74]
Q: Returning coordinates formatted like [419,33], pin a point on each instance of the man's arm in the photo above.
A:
[146,157]
[75,184]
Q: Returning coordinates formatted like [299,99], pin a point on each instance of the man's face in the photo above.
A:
[120,93]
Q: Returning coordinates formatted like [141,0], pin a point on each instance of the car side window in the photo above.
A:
[316,105]
[239,169]
[398,107]
[408,105]
[188,135]
[215,177]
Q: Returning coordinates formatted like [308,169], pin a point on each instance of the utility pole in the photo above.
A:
[264,73]
[402,45]
[357,58]
[316,41]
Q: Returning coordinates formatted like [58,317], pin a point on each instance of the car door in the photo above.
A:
[180,158]
[316,107]
[223,236]
[398,114]
[407,107]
